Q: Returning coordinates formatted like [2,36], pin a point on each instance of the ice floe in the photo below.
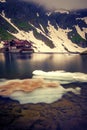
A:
[44,87]
[61,76]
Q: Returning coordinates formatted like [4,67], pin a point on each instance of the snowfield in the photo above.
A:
[59,38]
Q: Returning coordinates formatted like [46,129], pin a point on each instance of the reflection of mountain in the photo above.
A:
[22,66]
[24,57]
[58,31]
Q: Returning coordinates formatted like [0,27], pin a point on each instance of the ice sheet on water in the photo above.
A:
[49,90]
[43,95]
[62,77]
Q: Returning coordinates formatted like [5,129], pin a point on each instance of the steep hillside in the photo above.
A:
[58,31]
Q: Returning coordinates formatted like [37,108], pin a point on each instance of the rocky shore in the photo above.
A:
[69,113]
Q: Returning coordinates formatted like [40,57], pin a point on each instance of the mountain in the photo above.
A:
[48,31]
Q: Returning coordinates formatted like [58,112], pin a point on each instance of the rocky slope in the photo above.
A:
[57,31]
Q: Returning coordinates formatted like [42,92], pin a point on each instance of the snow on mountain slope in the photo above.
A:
[22,35]
[58,37]
[81,32]
[84,19]
[61,11]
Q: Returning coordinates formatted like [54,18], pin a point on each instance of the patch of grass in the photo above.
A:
[4,35]
[7,26]
[76,38]
[23,25]
[4,28]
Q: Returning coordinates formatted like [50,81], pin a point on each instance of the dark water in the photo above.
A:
[13,66]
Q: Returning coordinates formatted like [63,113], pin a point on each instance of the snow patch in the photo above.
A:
[1,44]
[61,11]
[42,28]
[61,41]
[80,32]
[48,13]
[84,19]
[37,14]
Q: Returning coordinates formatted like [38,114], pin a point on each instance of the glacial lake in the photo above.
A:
[68,98]
[21,66]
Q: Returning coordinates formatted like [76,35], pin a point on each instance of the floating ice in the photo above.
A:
[43,95]
[62,77]
[47,90]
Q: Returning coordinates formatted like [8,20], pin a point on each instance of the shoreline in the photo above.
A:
[69,53]
[68,113]
[16,52]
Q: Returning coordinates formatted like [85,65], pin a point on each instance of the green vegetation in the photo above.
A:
[23,25]
[4,35]
[7,26]
[4,28]
[76,38]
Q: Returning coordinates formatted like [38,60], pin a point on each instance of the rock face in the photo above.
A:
[55,31]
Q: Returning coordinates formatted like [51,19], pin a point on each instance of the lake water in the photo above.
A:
[65,104]
[20,66]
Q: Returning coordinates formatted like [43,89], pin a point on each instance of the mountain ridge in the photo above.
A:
[54,31]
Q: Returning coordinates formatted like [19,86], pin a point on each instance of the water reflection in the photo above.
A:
[66,62]
[23,56]
[2,58]
[22,65]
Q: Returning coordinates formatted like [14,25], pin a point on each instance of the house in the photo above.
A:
[19,46]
